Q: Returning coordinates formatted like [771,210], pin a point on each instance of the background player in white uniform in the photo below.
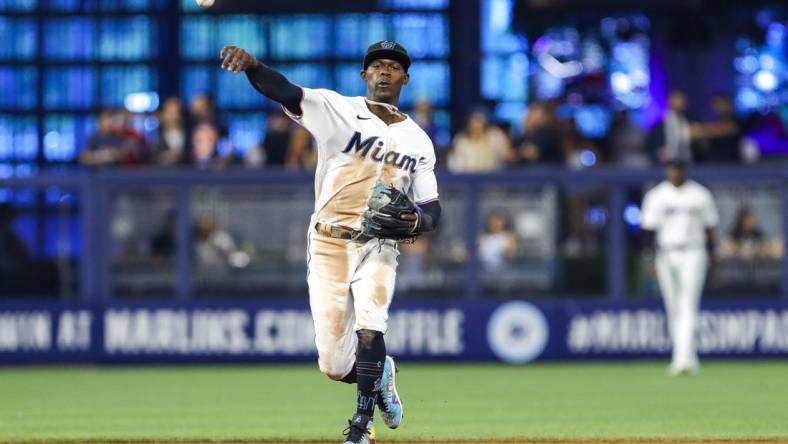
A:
[683,217]
[361,141]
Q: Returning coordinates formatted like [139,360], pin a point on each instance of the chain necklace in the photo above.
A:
[392,109]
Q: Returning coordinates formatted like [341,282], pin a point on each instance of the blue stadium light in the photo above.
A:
[224,147]
[593,121]
[500,14]
[142,102]
[24,170]
[51,140]
[244,139]
[767,62]
[593,58]
[632,215]
[775,34]
[620,82]
[765,80]
[587,158]
[59,146]
[597,216]
[5,146]
[639,77]
[556,68]
[761,66]
[747,64]
[151,124]
[52,194]
[748,99]
[6,171]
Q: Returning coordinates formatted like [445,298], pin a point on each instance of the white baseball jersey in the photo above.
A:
[355,149]
[351,284]
[679,215]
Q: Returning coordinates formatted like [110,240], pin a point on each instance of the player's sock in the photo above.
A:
[350,378]
[370,358]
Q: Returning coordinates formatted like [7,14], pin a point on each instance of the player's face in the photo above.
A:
[385,79]
[676,175]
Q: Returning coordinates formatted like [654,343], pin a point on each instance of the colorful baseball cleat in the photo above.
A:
[389,404]
[360,430]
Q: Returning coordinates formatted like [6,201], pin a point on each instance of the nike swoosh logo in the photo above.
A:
[358,116]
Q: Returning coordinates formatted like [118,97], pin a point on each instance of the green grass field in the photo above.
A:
[448,402]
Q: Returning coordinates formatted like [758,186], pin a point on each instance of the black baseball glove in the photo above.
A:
[391,215]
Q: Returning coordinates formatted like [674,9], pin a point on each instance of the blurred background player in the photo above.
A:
[682,216]
[351,275]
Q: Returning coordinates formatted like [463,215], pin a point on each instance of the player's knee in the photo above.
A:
[334,375]
[334,370]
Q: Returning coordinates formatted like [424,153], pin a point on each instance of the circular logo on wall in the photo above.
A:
[517,332]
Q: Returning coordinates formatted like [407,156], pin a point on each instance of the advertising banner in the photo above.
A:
[512,331]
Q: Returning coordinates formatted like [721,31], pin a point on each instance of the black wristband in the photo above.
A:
[429,216]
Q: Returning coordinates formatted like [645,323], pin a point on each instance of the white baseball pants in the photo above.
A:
[681,274]
[351,285]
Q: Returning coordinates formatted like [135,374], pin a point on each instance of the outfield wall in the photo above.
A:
[509,331]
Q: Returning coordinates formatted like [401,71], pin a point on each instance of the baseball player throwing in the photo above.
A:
[374,187]
[682,215]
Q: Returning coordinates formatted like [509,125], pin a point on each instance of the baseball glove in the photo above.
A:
[383,219]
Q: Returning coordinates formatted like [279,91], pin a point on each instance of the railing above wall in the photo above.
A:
[96,189]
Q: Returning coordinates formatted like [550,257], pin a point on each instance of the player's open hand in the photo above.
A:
[235,59]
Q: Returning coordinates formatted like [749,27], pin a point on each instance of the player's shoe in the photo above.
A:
[360,430]
[389,404]
[687,370]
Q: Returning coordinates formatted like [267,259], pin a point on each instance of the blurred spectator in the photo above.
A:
[540,142]
[479,147]
[277,139]
[627,142]
[205,134]
[171,143]
[215,248]
[135,150]
[163,242]
[105,147]
[579,151]
[205,141]
[202,109]
[672,138]
[498,243]
[508,132]
[747,240]
[720,138]
[301,153]
[424,116]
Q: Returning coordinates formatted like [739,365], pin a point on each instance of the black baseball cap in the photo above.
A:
[387,49]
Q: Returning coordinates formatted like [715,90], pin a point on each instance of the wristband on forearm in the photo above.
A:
[428,217]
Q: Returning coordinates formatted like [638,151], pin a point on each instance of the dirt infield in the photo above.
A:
[512,441]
